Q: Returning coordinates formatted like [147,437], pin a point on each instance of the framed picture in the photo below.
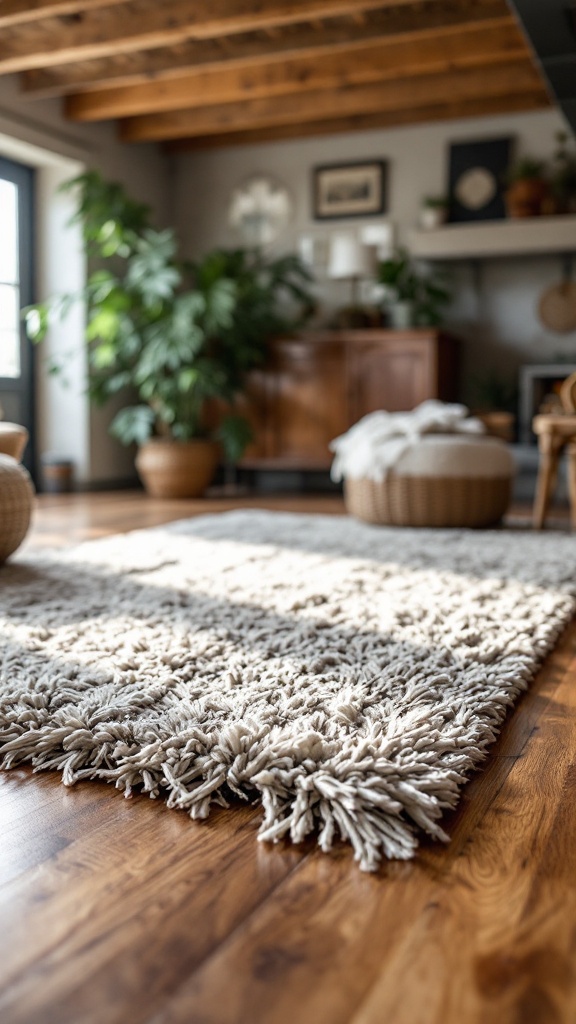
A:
[476,179]
[349,190]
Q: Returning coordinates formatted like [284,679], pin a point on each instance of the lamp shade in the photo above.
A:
[380,238]
[348,257]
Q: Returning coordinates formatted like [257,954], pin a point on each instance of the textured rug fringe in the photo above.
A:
[355,795]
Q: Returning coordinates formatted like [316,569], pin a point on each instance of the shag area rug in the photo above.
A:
[348,677]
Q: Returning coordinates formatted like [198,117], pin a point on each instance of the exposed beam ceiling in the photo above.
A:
[248,48]
[216,72]
[17,12]
[518,103]
[508,79]
[440,52]
[142,25]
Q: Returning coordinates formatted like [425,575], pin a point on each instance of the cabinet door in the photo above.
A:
[308,401]
[394,375]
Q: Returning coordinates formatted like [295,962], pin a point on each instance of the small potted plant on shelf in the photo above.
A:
[413,297]
[433,212]
[562,197]
[172,334]
[526,189]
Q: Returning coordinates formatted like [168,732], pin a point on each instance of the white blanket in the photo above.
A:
[374,444]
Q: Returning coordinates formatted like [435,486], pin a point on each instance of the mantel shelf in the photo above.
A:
[493,239]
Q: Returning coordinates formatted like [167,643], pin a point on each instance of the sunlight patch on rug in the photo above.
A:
[347,677]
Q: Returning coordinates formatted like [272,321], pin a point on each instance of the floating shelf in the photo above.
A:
[496,238]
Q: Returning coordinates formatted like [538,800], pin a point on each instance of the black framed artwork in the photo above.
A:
[349,190]
[476,179]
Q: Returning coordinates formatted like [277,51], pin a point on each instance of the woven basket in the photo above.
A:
[13,440]
[429,501]
[16,497]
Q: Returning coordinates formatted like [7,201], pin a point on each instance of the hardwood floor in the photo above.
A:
[121,912]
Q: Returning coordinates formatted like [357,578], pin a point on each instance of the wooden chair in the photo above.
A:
[556,431]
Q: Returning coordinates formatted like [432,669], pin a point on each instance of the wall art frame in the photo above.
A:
[477,179]
[355,189]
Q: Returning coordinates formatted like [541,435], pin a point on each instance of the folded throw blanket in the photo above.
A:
[374,444]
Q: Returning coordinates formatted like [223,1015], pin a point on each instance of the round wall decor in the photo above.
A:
[557,307]
[476,188]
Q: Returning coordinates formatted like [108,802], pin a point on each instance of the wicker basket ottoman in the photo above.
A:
[13,440]
[16,499]
[442,480]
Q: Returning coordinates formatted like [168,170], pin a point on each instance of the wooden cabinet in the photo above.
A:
[317,385]
[306,399]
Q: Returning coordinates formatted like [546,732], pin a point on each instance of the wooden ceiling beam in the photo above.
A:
[135,68]
[506,104]
[450,49]
[141,25]
[17,12]
[510,78]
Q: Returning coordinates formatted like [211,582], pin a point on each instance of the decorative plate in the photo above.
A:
[476,187]
[476,177]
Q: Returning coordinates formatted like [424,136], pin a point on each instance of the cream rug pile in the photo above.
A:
[347,677]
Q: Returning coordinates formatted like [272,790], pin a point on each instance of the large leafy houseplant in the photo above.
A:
[174,333]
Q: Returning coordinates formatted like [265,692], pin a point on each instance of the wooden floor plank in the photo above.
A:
[505,927]
[145,899]
[65,519]
[124,912]
[319,941]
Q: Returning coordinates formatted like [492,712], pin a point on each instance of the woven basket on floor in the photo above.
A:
[429,501]
[13,440]
[16,498]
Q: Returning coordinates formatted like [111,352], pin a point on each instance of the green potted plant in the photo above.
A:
[433,212]
[494,400]
[563,177]
[174,334]
[526,189]
[413,298]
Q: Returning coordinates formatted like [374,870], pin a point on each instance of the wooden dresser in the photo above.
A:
[316,385]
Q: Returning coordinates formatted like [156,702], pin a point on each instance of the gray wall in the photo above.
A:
[495,306]
[495,302]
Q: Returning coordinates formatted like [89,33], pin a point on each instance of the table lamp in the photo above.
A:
[349,260]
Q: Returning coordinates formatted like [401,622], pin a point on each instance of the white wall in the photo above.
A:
[35,133]
[62,414]
[495,307]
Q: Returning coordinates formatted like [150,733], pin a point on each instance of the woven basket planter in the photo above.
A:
[429,501]
[16,499]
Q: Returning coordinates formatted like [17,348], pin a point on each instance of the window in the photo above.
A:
[9,281]
[16,392]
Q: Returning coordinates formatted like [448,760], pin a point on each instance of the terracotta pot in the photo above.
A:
[526,197]
[498,423]
[176,469]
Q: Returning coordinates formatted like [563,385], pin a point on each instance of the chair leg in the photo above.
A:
[549,453]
